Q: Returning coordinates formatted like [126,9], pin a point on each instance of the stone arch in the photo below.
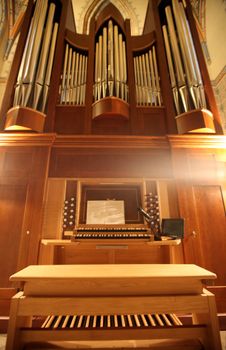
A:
[94,7]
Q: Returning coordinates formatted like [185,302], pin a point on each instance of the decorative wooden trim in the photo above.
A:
[197,141]
[24,118]
[142,42]
[26,139]
[113,141]
[80,41]
[110,141]
[195,121]
[110,107]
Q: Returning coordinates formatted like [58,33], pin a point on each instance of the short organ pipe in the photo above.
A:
[147,80]
[73,82]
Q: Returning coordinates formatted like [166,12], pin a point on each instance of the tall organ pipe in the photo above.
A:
[30,71]
[17,95]
[156,76]
[96,71]
[104,65]
[116,59]
[110,67]
[49,68]
[177,60]
[154,89]
[171,69]
[185,66]
[186,53]
[39,81]
[200,95]
[63,85]
[36,64]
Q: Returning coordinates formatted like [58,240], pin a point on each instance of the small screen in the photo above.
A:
[173,228]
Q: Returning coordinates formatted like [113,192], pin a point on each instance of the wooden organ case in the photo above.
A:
[105,108]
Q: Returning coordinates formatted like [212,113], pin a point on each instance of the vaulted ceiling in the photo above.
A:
[135,10]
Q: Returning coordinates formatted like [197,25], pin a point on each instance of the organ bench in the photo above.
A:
[122,299]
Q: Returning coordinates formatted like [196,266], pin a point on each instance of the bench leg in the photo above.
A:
[213,342]
[15,323]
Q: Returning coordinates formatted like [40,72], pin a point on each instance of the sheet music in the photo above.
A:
[105,212]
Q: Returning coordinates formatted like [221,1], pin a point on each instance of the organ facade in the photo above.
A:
[108,116]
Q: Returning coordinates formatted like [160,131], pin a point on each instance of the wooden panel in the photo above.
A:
[192,245]
[83,254]
[13,197]
[70,119]
[110,163]
[111,253]
[53,209]
[142,254]
[212,229]
[152,120]
[110,126]
[12,159]
[23,176]
[202,165]
[32,219]
[203,208]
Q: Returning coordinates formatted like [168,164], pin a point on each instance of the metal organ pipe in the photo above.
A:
[171,70]
[110,61]
[37,60]
[104,65]
[100,66]
[110,67]
[116,60]
[73,82]
[200,95]
[158,91]
[96,71]
[63,84]
[30,71]
[153,78]
[177,60]
[49,68]
[184,69]
[147,79]
[39,81]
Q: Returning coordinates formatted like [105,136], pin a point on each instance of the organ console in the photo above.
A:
[87,306]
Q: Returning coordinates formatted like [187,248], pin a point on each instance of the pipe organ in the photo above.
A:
[110,81]
[106,116]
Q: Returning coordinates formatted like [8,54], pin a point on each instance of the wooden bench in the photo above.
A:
[114,290]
